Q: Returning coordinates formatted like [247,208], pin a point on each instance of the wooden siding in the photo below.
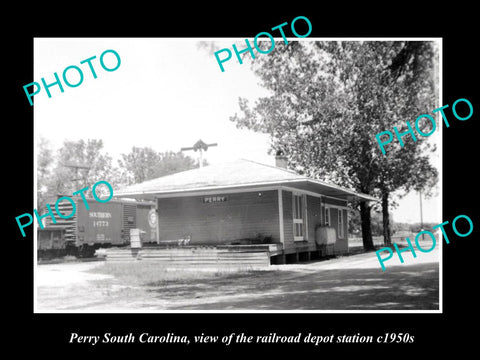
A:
[344,248]
[312,218]
[322,214]
[241,216]
[315,216]
[341,245]
[143,223]
[330,201]
[288,220]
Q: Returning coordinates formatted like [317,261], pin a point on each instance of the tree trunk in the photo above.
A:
[387,237]
[366,226]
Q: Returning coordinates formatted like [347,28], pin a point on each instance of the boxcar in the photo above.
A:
[103,224]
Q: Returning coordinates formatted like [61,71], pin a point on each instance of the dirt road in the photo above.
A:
[347,283]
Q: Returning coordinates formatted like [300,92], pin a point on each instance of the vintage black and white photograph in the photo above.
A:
[282,174]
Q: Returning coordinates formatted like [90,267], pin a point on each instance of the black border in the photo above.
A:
[48,333]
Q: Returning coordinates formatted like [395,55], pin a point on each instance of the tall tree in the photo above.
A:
[173,162]
[411,73]
[139,164]
[329,99]
[79,164]
[45,162]
[142,164]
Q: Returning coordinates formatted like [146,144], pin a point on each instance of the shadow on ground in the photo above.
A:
[415,287]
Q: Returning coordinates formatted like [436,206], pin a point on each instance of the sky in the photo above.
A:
[166,94]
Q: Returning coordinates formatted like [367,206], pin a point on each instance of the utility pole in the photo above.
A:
[77,167]
[199,146]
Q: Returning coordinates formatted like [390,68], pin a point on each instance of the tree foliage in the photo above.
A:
[79,164]
[45,162]
[142,164]
[354,222]
[329,100]
[76,164]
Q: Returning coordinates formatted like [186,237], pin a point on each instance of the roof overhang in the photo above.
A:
[308,185]
[333,191]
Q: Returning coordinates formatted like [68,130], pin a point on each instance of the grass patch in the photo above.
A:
[153,274]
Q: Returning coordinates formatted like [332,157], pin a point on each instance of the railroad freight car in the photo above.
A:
[51,242]
[101,225]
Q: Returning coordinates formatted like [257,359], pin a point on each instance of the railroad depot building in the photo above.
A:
[245,203]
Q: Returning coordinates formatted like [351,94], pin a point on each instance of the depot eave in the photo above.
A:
[303,185]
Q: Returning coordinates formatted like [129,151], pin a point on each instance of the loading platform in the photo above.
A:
[248,256]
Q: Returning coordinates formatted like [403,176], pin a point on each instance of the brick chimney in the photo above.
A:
[280,159]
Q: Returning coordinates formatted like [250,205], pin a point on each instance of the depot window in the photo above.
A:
[299,217]
[327,216]
[340,223]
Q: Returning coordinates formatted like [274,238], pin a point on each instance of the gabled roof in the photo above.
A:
[234,175]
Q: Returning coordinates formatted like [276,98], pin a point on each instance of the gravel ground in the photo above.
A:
[346,283]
